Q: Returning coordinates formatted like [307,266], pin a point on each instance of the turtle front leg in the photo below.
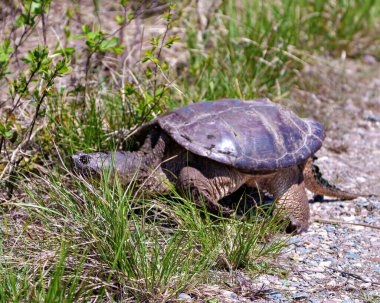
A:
[288,188]
[206,190]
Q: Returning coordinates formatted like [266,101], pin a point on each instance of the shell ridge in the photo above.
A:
[272,131]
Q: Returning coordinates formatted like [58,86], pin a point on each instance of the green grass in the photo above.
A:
[137,248]
[77,241]
[256,48]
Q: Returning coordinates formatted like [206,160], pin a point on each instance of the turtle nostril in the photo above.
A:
[84,159]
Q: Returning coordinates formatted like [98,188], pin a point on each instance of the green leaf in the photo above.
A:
[65,69]
[167,16]
[171,40]
[68,51]
[118,50]
[107,44]
[119,19]
[4,58]
[8,134]
[164,66]
[86,28]
[74,37]
[36,8]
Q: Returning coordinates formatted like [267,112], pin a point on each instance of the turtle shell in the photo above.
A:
[251,136]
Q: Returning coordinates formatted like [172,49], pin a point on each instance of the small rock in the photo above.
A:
[275,294]
[319,276]
[303,250]
[331,284]
[361,179]
[350,287]
[183,296]
[365,204]
[373,118]
[347,301]
[285,282]
[365,285]
[300,295]
[335,247]
[325,264]
[295,240]
[314,300]
[369,59]
[369,220]
[330,228]
[351,255]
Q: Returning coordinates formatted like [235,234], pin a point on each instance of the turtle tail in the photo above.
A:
[320,186]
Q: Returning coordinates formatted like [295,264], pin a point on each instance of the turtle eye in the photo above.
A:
[84,159]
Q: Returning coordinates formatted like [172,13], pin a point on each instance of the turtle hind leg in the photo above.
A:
[320,186]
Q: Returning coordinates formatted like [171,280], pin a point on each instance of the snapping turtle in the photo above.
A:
[210,149]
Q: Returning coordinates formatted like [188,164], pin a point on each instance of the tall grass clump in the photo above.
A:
[131,255]
[50,275]
[256,48]
[107,241]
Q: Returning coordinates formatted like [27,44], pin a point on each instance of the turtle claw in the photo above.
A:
[296,226]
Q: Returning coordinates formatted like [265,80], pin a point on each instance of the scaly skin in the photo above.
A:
[160,160]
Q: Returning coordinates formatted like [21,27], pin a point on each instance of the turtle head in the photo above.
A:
[127,165]
[89,165]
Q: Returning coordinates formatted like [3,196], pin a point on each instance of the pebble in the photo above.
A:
[373,118]
[320,276]
[351,255]
[234,296]
[330,228]
[365,285]
[275,294]
[325,264]
[300,295]
[369,59]
[183,296]
[369,220]
[350,287]
[303,250]
[331,284]
[360,179]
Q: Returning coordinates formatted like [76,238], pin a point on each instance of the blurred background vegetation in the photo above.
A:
[83,75]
